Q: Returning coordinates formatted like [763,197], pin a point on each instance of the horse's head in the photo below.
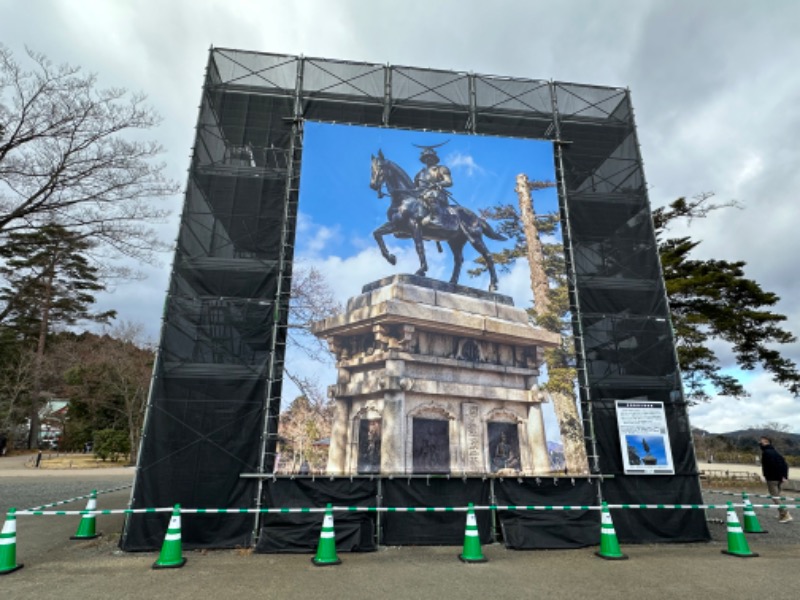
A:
[377,174]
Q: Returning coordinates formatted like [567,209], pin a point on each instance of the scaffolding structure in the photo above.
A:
[215,399]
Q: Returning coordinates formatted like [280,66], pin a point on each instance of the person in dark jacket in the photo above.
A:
[776,471]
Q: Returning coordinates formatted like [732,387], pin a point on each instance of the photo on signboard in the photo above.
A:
[646,450]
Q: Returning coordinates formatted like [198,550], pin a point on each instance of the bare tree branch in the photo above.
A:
[71,153]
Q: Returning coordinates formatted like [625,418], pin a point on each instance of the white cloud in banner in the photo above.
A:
[464,163]
[313,239]
[517,283]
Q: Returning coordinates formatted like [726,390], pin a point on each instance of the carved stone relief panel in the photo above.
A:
[436,344]
[431,445]
[370,433]
[469,350]
[504,447]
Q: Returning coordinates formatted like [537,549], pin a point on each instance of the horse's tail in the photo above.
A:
[487,230]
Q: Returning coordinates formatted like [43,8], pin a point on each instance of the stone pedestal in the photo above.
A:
[435,378]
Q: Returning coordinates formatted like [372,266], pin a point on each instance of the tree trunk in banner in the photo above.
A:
[569,423]
[540,285]
[561,377]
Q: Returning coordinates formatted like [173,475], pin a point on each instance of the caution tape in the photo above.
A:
[393,509]
[723,493]
[85,497]
[701,506]
[119,511]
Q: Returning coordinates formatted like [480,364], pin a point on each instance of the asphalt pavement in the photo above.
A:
[56,567]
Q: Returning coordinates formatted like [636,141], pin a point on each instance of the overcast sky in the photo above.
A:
[715,85]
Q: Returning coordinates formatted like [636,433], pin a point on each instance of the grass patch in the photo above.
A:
[76,461]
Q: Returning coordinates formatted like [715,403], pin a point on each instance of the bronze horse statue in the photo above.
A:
[407,219]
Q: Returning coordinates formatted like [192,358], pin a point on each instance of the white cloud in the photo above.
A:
[767,402]
[750,167]
[346,276]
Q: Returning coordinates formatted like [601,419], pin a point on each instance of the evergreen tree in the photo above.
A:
[713,300]
[48,281]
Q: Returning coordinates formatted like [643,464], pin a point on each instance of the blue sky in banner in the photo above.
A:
[338,210]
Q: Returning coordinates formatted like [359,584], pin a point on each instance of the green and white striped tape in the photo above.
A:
[392,509]
[85,497]
[724,493]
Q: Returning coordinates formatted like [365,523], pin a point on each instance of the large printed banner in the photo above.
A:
[373,392]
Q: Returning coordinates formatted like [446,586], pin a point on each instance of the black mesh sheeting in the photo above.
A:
[620,311]
[298,532]
[528,529]
[210,331]
[199,438]
[654,525]
[630,347]
[625,297]
[223,338]
[434,528]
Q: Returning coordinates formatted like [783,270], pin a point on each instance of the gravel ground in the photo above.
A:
[777,533]
[26,492]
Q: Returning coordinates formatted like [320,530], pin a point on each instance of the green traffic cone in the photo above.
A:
[609,546]
[737,544]
[472,541]
[171,554]
[8,544]
[751,524]
[326,550]
[86,528]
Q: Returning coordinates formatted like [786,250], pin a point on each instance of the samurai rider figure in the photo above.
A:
[431,182]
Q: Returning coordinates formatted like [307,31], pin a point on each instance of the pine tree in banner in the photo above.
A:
[548,275]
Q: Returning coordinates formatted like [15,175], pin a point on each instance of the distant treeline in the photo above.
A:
[742,446]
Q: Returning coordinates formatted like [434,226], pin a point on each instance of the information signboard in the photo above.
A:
[644,438]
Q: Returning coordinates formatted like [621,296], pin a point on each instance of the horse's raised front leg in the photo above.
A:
[419,244]
[378,234]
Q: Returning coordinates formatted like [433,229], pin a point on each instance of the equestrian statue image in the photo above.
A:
[420,209]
